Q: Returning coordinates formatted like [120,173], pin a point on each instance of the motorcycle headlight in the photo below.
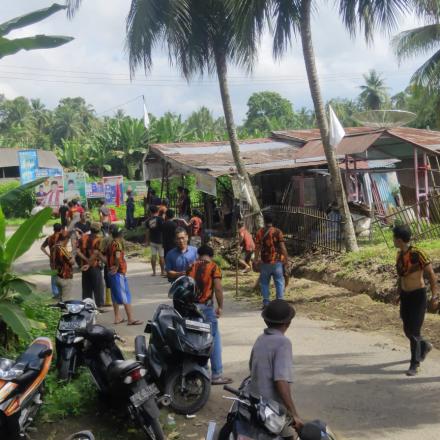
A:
[74,308]
[272,421]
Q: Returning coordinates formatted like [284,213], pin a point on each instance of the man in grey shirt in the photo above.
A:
[271,362]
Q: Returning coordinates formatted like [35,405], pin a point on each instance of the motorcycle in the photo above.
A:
[21,388]
[177,357]
[121,380]
[77,314]
[262,419]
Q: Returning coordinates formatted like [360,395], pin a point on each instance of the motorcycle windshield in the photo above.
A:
[199,341]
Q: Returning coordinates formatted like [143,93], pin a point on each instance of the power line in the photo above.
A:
[119,105]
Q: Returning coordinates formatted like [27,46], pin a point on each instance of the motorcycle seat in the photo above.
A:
[33,357]
[121,368]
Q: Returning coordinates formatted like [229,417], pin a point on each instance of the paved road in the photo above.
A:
[353,380]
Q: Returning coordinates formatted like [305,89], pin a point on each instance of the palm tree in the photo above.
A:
[374,92]
[293,17]
[201,38]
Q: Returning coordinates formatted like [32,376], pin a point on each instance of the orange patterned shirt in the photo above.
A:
[204,273]
[268,240]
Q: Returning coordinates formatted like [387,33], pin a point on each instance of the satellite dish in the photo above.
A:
[384,118]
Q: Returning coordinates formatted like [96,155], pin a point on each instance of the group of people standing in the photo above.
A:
[98,251]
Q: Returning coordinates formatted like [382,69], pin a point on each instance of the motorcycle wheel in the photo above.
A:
[151,427]
[193,398]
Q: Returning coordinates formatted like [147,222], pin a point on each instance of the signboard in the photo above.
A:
[95,190]
[51,192]
[137,187]
[48,172]
[75,186]
[114,190]
[28,164]
[206,183]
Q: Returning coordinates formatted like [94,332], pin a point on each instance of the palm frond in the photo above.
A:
[416,41]
[368,16]
[72,7]
[428,75]
[288,16]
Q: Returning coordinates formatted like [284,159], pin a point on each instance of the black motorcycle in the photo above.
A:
[262,419]
[177,357]
[76,315]
[121,381]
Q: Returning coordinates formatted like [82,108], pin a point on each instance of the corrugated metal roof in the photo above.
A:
[314,133]
[46,159]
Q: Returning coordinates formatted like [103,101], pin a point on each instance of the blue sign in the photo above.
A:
[28,163]
[48,172]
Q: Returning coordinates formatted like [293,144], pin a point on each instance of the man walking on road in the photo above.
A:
[89,252]
[154,238]
[271,363]
[63,263]
[208,279]
[412,265]
[169,232]
[117,265]
[270,257]
[181,257]
[50,243]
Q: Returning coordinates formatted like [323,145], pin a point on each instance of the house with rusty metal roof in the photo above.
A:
[379,165]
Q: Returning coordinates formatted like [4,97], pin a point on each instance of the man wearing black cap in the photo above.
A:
[271,362]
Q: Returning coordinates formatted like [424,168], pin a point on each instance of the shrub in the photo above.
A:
[22,204]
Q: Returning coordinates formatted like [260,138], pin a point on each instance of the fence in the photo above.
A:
[423,218]
[305,228]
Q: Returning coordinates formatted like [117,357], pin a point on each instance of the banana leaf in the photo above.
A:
[15,318]
[23,238]
[12,195]
[30,18]
[9,47]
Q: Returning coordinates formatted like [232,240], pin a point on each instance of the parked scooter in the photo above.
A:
[21,388]
[123,381]
[179,349]
[77,315]
[262,419]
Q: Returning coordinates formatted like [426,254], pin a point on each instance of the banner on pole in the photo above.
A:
[95,190]
[137,187]
[114,190]
[28,164]
[51,192]
[75,186]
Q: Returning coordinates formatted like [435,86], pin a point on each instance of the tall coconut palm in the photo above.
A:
[374,92]
[293,17]
[422,40]
[201,38]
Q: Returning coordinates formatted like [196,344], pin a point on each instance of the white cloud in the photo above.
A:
[99,31]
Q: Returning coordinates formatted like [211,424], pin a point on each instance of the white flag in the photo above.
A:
[146,117]
[337,132]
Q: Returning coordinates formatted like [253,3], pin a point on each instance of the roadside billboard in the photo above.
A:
[75,186]
[28,164]
[114,190]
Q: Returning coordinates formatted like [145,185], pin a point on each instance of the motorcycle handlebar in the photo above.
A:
[231,390]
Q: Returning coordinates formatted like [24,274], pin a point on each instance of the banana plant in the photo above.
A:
[14,290]
[12,46]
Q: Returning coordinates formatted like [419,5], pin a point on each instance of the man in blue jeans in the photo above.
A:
[208,279]
[270,258]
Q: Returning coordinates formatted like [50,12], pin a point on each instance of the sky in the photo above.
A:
[95,66]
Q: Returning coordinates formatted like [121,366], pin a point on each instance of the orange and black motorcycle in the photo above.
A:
[21,388]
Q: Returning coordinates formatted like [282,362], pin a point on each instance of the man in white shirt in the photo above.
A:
[37,208]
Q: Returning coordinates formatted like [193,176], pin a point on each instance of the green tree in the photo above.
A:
[420,41]
[294,18]
[169,128]
[269,111]
[10,47]
[374,95]
[345,109]
[73,154]
[204,127]
[14,290]
[201,38]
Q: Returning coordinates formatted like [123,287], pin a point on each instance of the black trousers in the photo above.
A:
[93,285]
[412,311]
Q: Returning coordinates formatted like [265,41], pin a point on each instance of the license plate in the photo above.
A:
[70,325]
[144,394]
[198,326]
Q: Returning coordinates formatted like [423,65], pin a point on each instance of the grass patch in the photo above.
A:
[221,262]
